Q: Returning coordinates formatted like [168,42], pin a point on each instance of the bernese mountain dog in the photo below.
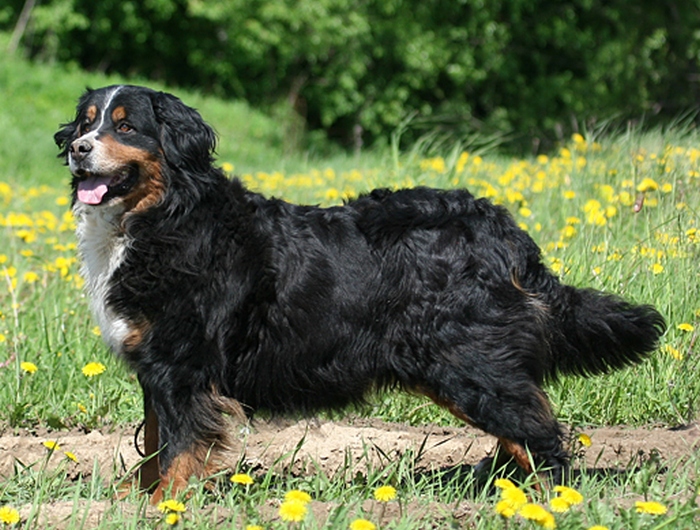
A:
[227,302]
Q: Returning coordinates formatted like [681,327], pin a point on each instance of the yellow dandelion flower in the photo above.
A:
[362,524]
[461,162]
[28,367]
[686,327]
[673,352]
[298,496]
[598,527]
[71,456]
[568,232]
[93,369]
[254,527]
[647,184]
[650,507]
[242,478]
[227,167]
[515,496]
[51,445]
[626,198]
[171,505]
[559,505]
[385,493]
[585,440]
[3,338]
[505,509]
[436,164]
[8,515]
[592,205]
[332,194]
[525,211]
[504,483]
[536,513]
[557,265]
[570,495]
[293,511]
[30,277]
[28,236]
[172,519]
[657,268]
[62,201]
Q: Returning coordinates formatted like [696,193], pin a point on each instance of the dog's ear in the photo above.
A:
[65,136]
[187,141]
[69,131]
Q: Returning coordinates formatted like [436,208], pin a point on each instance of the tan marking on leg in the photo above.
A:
[518,453]
[185,465]
[451,406]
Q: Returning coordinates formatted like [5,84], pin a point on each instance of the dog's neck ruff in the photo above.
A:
[102,246]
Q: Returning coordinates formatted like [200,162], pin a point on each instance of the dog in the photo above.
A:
[225,302]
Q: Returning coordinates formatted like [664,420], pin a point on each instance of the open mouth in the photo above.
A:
[95,189]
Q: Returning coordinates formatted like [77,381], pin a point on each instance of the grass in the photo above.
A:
[577,203]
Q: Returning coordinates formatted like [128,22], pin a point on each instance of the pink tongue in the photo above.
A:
[92,189]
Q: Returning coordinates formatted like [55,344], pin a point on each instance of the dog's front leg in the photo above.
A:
[183,425]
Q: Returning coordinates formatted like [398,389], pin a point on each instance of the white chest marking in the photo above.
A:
[102,247]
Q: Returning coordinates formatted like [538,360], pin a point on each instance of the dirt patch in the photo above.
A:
[306,446]
[349,446]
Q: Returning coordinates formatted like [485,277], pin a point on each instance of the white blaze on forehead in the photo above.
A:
[104,112]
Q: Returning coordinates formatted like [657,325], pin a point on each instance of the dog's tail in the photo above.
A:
[597,332]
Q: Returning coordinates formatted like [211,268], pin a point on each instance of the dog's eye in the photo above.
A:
[85,127]
[124,127]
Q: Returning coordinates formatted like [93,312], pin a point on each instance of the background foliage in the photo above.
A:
[357,69]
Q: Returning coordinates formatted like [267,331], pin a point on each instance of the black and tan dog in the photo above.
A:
[217,296]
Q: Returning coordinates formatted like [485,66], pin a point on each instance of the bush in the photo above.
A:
[357,70]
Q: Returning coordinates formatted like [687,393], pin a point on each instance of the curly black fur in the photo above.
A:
[296,309]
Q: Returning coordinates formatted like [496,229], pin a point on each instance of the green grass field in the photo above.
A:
[577,203]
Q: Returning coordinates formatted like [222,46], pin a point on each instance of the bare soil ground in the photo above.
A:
[331,446]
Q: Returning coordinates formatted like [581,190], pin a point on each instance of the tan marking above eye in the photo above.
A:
[91,113]
[118,114]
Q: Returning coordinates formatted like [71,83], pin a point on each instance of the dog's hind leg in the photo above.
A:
[519,416]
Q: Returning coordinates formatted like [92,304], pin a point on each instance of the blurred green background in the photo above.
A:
[534,70]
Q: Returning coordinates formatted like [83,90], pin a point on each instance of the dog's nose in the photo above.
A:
[80,149]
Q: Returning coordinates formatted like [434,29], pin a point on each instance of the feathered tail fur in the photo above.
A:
[598,332]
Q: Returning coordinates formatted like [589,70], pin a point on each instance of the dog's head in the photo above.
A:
[127,143]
